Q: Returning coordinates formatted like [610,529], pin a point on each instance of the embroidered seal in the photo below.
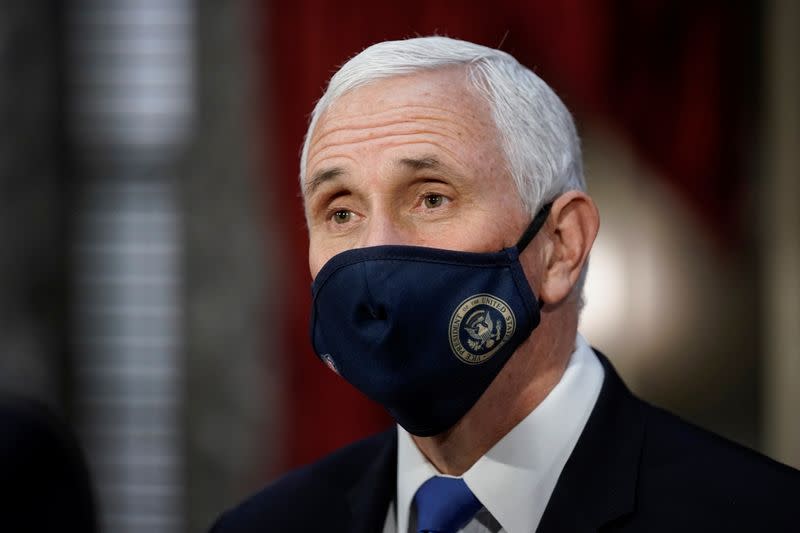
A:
[480,325]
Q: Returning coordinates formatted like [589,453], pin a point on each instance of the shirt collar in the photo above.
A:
[516,477]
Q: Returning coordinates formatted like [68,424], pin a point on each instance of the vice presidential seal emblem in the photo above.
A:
[480,325]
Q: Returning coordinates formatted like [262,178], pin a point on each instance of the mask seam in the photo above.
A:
[366,282]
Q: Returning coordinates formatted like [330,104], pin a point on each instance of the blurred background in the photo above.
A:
[154,288]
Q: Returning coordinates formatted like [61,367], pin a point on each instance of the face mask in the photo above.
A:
[423,331]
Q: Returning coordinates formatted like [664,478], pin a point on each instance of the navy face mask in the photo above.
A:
[423,331]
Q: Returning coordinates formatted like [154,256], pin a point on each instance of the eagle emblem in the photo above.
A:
[480,325]
[482,330]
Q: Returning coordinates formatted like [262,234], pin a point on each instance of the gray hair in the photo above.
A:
[538,135]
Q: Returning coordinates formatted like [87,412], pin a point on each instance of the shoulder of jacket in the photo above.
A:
[312,492]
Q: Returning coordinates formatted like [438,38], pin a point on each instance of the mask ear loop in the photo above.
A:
[534,227]
[531,231]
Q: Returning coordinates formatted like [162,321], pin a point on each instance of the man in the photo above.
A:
[449,235]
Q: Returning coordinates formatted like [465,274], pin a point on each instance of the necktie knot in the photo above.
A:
[444,505]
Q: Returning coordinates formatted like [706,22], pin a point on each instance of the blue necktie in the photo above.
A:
[444,505]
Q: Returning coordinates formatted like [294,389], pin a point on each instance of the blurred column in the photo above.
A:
[130,76]
[780,231]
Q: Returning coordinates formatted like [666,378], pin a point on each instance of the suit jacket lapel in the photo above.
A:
[598,483]
[371,495]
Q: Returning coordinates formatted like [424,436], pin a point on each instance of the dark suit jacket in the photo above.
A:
[634,468]
[44,480]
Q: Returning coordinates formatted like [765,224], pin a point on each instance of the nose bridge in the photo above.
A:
[382,228]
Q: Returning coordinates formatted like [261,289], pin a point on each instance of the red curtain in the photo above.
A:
[673,77]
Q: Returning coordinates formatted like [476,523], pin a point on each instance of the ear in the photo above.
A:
[571,228]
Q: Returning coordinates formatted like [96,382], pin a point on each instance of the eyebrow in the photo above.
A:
[321,176]
[428,162]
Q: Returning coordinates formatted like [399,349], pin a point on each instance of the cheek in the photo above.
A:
[322,248]
[501,225]
[317,257]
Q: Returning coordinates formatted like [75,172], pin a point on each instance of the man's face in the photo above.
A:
[411,160]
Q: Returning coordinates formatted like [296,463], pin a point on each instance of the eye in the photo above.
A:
[432,201]
[342,216]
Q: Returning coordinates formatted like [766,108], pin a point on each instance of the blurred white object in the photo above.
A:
[131,105]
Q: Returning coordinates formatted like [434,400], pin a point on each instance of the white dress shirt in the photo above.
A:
[516,477]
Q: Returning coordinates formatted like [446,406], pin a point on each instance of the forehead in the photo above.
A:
[443,99]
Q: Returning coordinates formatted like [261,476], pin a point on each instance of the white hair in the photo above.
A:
[537,132]
[538,135]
